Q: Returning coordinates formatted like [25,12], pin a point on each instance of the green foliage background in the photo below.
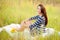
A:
[15,11]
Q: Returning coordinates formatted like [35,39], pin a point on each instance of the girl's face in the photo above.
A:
[39,9]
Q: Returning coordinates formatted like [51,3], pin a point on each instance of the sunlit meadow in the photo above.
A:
[15,11]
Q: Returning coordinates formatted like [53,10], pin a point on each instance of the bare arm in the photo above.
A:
[26,23]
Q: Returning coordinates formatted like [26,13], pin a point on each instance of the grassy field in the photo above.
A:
[15,13]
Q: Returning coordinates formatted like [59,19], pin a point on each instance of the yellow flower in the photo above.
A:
[13,30]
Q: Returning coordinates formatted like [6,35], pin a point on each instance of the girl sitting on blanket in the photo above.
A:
[41,21]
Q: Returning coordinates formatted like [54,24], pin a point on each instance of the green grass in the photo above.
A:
[5,36]
[17,13]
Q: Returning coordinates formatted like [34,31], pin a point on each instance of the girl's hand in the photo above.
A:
[25,24]
[28,23]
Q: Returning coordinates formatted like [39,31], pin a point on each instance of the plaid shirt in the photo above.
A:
[37,25]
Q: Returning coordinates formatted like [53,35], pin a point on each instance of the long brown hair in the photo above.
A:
[43,11]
